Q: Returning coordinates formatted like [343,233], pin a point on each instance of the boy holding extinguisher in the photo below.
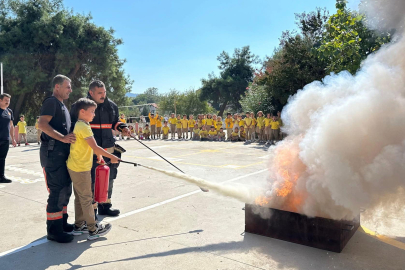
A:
[79,165]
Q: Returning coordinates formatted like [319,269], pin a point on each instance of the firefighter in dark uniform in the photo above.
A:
[55,123]
[105,121]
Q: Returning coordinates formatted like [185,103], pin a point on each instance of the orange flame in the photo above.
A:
[262,201]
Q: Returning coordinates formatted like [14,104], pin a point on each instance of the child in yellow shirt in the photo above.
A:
[275,130]
[212,134]
[260,126]
[196,134]
[229,126]
[191,125]
[146,132]
[79,165]
[235,135]
[165,131]
[140,133]
[209,121]
[218,124]
[22,131]
[184,127]
[221,135]
[267,129]
[248,125]
[173,122]
[159,126]
[204,134]
[179,124]
[242,134]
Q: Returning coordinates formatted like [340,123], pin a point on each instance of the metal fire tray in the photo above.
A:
[317,232]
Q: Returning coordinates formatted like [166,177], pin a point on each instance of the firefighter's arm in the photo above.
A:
[100,151]
[43,125]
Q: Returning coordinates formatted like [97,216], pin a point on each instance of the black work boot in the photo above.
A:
[3,179]
[67,228]
[106,209]
[55,231]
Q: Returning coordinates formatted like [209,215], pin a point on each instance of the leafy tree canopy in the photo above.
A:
[40,39]
[187,103]
[236,72]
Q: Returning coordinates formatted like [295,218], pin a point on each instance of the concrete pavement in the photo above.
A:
[167,223]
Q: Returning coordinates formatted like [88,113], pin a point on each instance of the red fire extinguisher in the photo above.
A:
[101,185]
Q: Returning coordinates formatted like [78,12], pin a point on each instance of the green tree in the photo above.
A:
[39,39]
[257,99]
[236,72]
[347,41]
[150,95]
[145,111]
[188,103]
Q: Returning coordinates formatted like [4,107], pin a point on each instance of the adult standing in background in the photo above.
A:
[6,132]
[54,121]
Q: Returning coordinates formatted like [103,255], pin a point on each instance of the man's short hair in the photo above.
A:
[59,79]
[96,83]
[4,95]
[83,103]
[21,115]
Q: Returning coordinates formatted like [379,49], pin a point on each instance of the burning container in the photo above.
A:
[317,232]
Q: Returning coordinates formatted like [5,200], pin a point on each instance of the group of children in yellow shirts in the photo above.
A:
[207,127]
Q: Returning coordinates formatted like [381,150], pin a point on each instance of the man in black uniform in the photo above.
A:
[6,131]
[105,120]
[55,123]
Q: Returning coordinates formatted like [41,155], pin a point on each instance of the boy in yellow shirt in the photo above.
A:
[184,127]
[242,134]
[275,130]
[260,126]
[196,134]
[153,120]
[267,130]
[235,135]
[165,131]
[221,134]
[173,122]
[191,125]
[203,134]
[212,134]
[218,123]
[209,121]
[248,125]
[159,126]
[79,165]
[22,130]
[146,132]
[178,126]
[229,126]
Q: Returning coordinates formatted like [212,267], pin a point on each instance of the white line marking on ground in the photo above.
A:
[44,240]
[30,245]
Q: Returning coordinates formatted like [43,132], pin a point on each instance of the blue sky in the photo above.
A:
[173,44]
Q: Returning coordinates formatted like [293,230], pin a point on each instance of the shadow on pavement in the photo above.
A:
[362,252]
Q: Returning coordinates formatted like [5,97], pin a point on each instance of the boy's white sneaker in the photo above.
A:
[101,230]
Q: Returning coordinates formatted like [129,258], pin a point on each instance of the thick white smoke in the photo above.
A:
[347,135]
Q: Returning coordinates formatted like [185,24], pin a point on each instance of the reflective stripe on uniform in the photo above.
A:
[102,126]
[54,216]
[64,210]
